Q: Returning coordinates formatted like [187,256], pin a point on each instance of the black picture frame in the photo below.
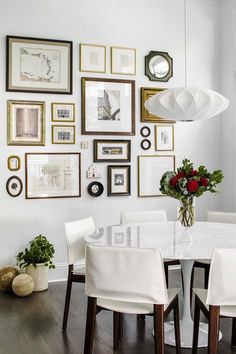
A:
[110,187]
[165,56]
[98,142]
[95,189]
[11,61]
[11,186]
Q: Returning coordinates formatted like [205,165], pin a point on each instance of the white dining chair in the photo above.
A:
[75,233]
[130,217]
[219,299]
[128,280]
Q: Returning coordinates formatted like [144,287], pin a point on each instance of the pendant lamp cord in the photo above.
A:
[185,40]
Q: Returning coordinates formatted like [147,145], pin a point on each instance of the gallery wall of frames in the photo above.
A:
[36,65]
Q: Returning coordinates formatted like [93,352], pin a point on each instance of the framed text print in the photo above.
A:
[39,65]
[108,106]
[150,170]
[52,175]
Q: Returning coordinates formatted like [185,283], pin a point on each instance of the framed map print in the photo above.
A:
[38,65]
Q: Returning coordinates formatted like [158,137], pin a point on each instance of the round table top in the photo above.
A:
[169,238]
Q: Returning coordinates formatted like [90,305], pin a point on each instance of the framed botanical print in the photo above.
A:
[123,61]
[147,92]
[39,65]
[63,112]
[52,175]
[150,170]
[108,106]
[63,134]
[25,123]
[111,150]
[13,163]
[92,58]
[118,180]
[164,137]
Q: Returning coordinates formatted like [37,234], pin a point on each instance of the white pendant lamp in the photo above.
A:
[186,103]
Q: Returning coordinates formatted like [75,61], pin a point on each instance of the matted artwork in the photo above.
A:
[123,61]
[13,163]
[39,65]
[108,106]
[111,150]
[52,175]
[118,180]
[63,112]
[25,123]
[63,134]
[150,170]
[92,58]
[164,138]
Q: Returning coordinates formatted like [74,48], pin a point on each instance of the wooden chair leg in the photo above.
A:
[67,300]
[166,274]
[196,327]
[213,331]
[159,328]
[206,276]
[141,317]
[121,328]
[90,325]
[116,329]
[233,335]
[176,325]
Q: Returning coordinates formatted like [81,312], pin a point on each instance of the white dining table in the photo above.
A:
[170,239]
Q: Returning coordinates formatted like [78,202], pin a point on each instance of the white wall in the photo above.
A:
[144,25]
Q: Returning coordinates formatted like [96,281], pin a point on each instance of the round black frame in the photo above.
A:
[100,190]
[143,142]
[8,185]
[142,131]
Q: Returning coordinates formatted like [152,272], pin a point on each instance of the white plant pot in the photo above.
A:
[40,276]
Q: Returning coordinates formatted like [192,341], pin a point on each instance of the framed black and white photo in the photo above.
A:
[164,138]
[14,186]
[52,175]
[118,178]
[108,106]
[111,150]
[13,163]
[92,58]
[63,112]
[150,170]
[25,123]
[39,65]
[123,61]
[63,134]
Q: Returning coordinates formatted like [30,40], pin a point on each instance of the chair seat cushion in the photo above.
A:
[204,261]
[227,311]
[79,271]
[133,307]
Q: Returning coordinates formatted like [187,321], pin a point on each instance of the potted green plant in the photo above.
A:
[37,259]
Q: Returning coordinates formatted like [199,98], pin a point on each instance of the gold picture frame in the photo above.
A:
[13,163]
[63,134]
[25,122]
[92,58]
[123,61]
[164,138]
[63,112]
[147,92]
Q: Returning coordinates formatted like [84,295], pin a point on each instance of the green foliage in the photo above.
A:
[187,182]
[40,251]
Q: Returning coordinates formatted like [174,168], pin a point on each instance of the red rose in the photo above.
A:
[180,175]
[193,173]
[192,186]
[204,181]
[173,181]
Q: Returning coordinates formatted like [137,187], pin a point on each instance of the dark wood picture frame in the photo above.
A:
[148,58]
[109,180]
[67,90]
[10,179]
[96,142]
[85,131]
[98,189]
[57,196]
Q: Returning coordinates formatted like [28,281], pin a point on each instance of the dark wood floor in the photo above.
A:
[33,325]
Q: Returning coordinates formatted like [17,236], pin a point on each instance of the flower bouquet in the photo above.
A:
[187,183]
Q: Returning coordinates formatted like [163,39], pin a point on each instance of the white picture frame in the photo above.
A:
[52,175]
[164,137]
[123,61]
[92,58]
[150,170]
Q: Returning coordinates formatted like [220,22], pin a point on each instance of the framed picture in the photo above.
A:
[118,180]
[108,106]
[39,65]
[52,175]
[26,121]
[111,150]
[13,163]
[92,58]
[150,170]
[63,134]
[147,92]
[95,189]
[14,186]
[164,138]
[123,61]
[63,112]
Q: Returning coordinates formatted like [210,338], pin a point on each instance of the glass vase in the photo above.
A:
[186,216]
